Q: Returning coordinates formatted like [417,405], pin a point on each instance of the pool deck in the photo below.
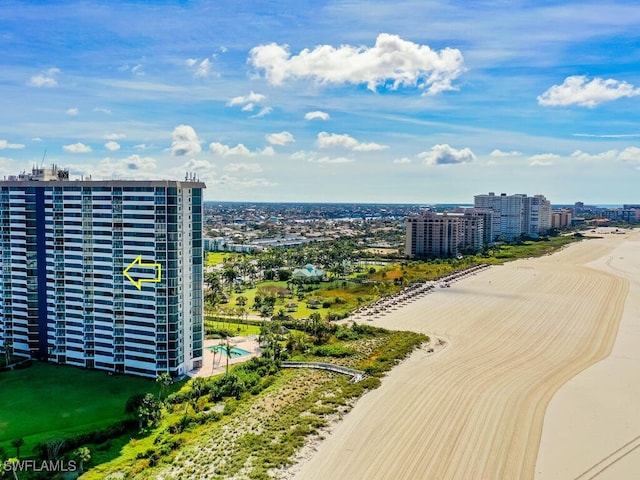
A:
[249,343]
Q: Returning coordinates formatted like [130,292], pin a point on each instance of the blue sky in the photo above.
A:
[354,101]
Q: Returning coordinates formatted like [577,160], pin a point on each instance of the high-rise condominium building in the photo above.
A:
[102,274]
[514,215]
[444,234]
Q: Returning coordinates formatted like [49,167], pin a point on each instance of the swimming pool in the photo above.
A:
[235,351]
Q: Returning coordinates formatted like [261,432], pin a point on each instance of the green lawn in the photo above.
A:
[235,328]
[48,401]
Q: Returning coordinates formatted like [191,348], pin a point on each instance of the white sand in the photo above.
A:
[592,425]
[475,410]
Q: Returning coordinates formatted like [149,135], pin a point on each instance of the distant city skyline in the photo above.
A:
[334,101]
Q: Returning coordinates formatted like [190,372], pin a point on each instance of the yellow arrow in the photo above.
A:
[138,263]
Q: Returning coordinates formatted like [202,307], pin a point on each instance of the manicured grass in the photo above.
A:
[233,327]
[214,258]
[51,401]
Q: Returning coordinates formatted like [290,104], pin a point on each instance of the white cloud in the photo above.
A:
[194,165]
[131,167]
[137,70]
[251,98]
[392,62]
[140,146]
[326,140]
[185,141]
[543,159]
[316,115]
[445,155]
[201,68]
[500,153]
[225,150]
[45,79]
[112,146]
[244,183]
[243,167]
[248,107]
[268,151]
[77,148]
[106,111]
[263,112]
[313,157]
[402,161]
[630,155]
[72,111]
[281,138]
[36,139]
[609,155]
[10,146]
[579,91]
[114,136]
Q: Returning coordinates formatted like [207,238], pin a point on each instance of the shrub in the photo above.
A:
[335,351]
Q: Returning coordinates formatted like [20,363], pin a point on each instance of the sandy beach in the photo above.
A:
[517,335]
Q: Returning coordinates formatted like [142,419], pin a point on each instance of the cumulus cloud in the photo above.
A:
[77,148]
[72,111]
[132,167]
[391,62]
[201,68]
[45,79]
[578,90]
[225,150]
[606,156]
[185,141]
[326,140]
[243,167]
[316,115]
[446,155]
[500,153]
[4,144]
[244,100]
[112,146]
[281,138]
[402,161]
[630,155]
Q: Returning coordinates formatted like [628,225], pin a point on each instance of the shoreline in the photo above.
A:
[479,415]
[592,425]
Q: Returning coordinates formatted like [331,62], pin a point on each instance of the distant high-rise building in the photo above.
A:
[561,218]
[64,293]
[514,215]
[444,234]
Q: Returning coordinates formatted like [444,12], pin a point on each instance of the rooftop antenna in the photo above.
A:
[43,156]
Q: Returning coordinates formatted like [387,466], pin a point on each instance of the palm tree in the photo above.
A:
[229,274]
[17,443]
[7,347]
[164,379]
[227,348]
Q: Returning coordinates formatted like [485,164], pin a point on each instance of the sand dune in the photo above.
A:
[475,410]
